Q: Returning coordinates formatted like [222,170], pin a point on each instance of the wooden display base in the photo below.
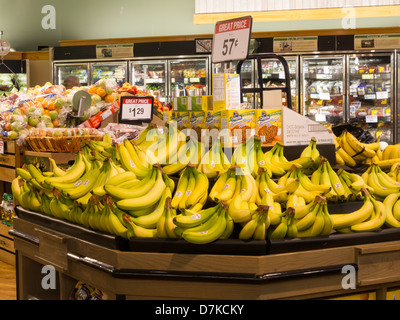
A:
[297,274]
[7,251]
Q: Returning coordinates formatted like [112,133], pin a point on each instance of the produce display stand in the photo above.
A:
[301,273]
[11,157]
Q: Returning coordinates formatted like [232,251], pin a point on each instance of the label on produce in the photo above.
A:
[226,186]
[178,194]
[132,163]
[85,183]
[77,183]
[188,192]
[196,216]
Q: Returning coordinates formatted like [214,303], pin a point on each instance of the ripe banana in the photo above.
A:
[207,234]
[375,222]
[150,220]
[146,200]
[358,216]
[389,203]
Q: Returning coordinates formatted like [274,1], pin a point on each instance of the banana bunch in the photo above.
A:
[144,196]
[165,226]
[59,206]
[311,151]
[394,172]
[342,157]
[280,191]
[191,190]
[152,222]
[235,182]
[353,184]
[325,175]
[274,209]
[99,149]
[249,156]
[313,219]
[204,226]
[278,163]
[148,136]
[165,150]
[133,159]
[370,217]
[189,153]
[361,153]
[392,206]
[214,162]
[258,225]
[390,156]
[286,228]
[381,183]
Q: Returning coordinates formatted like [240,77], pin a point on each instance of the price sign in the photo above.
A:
[231,39]
[136,109]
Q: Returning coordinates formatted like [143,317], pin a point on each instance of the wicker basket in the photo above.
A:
[59,144]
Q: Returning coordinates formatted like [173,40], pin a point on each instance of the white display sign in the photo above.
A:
[297,130]
[136,109]
[231,40]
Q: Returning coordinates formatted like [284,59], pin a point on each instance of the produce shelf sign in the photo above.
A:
[231,39]
[136,109]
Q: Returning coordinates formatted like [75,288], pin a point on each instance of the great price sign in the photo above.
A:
[231,39]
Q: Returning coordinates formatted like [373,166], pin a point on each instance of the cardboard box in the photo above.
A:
[181,104]
[269,125]
[183,119]
[226,91]
[213,124]
[237,126]
[200,103]
[169,116]
[197,124]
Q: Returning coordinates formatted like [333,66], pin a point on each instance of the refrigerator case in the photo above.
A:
[370,96]
[323,88]
[150,76]
[188,77]
[247,76]
[117,71]
[273,75]
[81,70]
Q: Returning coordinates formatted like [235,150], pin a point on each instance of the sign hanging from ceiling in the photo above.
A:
[231,39]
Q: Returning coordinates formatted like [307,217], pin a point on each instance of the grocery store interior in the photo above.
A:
[200,149]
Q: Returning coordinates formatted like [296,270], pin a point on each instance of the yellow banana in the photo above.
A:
[358,216]
[374,223]
[389,203]
[146,200]
[207,234]
[150,220]
[180,188]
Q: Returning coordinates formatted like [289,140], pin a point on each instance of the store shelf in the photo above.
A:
[297,274]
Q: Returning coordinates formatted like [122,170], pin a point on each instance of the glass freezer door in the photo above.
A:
[150,76]
[61,71]
[273,75]
[247,76]
[188,77]
[370,97]
[116,71]
[323,89]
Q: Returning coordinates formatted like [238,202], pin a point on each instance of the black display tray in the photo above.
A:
[72,229]
[221,247]
[232,246]
[332,241]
